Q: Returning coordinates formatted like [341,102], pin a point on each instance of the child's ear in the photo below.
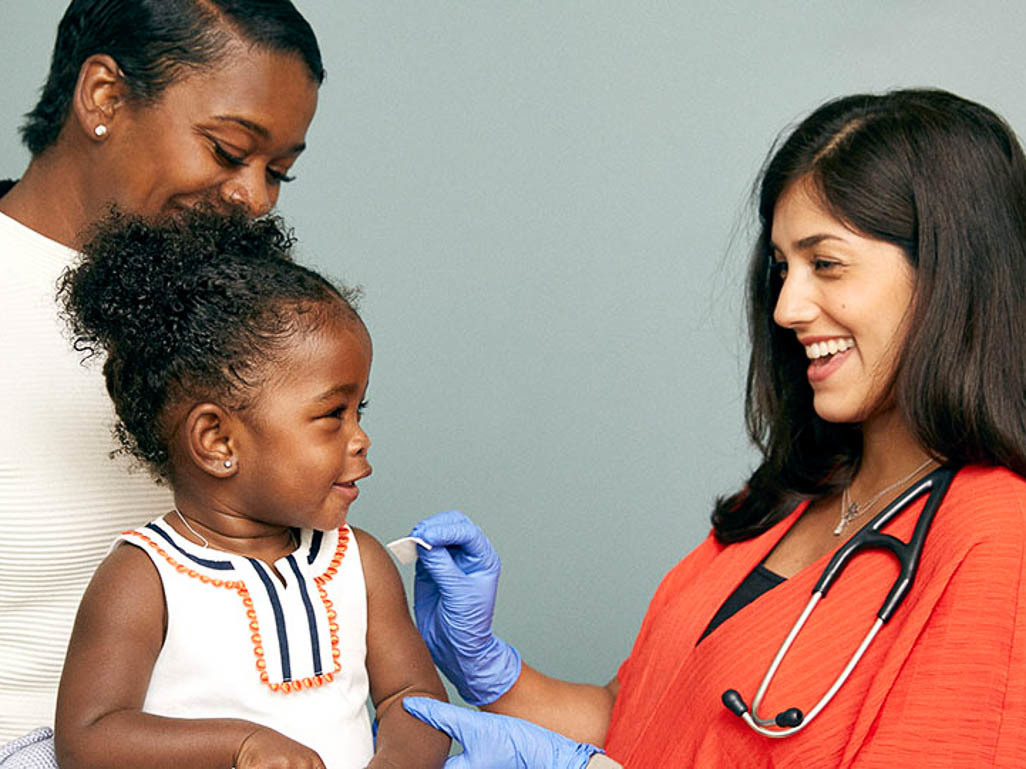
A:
[208,440]
[99,93]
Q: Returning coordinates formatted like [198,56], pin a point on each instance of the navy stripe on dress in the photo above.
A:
[315,546]
[210,564]
[279,618]
[311,619]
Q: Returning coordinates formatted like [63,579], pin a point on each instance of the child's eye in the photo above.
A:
[335,413]
[361,408]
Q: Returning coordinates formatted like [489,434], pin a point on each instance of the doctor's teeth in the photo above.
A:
[829,347]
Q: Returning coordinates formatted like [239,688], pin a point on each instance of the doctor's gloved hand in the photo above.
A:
[453,601]
[492,741]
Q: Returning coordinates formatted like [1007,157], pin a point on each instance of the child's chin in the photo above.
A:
[332,523]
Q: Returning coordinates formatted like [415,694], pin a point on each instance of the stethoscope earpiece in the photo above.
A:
[790,717]
[732,699]
[736,705]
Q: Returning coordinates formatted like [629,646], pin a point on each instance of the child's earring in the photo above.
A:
[228,464]
[100,131]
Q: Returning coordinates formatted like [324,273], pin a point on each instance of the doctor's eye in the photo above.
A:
[777,269]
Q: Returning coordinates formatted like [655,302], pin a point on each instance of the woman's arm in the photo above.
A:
[492,741]
[455,594]
[578,711]
[118,634]
[398,665]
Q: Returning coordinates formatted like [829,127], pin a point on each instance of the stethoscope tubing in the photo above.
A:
[759,724]
[908,555]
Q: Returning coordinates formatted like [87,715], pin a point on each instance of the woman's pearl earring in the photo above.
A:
[228,464]
[100,130]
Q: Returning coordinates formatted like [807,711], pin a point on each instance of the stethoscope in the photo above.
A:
[908,554]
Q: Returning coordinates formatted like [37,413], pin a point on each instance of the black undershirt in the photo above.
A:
[760,580]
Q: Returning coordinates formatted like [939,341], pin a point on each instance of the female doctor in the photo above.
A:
[885,294]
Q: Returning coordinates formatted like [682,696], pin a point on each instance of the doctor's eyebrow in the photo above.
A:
[803,244]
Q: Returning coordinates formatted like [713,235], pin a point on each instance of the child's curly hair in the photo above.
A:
[193,307]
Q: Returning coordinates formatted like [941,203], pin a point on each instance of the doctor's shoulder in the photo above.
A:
[985,502]
[981,521]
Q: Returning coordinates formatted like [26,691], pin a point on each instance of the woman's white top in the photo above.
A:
[62,499]
[286,650]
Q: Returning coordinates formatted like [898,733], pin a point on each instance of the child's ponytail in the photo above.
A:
[189,306]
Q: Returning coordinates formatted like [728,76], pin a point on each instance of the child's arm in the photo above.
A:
[398,665]
[118,634]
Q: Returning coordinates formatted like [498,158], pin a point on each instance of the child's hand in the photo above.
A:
[268,749]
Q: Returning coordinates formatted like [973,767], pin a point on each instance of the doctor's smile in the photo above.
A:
[827,354]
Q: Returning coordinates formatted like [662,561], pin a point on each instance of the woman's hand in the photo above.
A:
[454,598]
[492,741]
[267,749]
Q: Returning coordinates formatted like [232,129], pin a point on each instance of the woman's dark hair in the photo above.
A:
[197,307]
[156,42]
[944,179]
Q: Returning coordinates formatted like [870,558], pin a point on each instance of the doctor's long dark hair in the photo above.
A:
[944,179]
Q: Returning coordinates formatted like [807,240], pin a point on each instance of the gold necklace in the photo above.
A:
[194,532]
[852,510]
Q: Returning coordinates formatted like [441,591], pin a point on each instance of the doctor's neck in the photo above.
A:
[889,448]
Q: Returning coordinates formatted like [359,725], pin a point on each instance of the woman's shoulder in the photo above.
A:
[985,503]
[691,565]
[988,488]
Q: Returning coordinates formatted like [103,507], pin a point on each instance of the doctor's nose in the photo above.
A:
[795,304]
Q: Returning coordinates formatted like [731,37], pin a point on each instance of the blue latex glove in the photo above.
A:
[453,601]
[492,741]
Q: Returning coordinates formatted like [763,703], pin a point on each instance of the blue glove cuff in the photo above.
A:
[495,671]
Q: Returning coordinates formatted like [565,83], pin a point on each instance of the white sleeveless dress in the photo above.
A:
[242,644]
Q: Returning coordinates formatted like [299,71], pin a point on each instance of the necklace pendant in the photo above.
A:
[848,515]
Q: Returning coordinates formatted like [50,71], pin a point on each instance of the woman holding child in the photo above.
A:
[885,293]
[152,105]
[249,625]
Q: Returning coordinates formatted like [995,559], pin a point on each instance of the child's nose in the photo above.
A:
[360,443]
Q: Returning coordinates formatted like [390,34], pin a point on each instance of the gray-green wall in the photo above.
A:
[546,204]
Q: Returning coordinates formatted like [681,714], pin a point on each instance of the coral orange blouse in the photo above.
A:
[942,685]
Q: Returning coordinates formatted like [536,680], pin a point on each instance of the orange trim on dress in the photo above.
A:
[240,587]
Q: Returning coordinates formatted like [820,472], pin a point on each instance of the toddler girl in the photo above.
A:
[247,626]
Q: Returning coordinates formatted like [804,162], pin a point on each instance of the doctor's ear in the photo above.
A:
[208,440]
[99,93]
